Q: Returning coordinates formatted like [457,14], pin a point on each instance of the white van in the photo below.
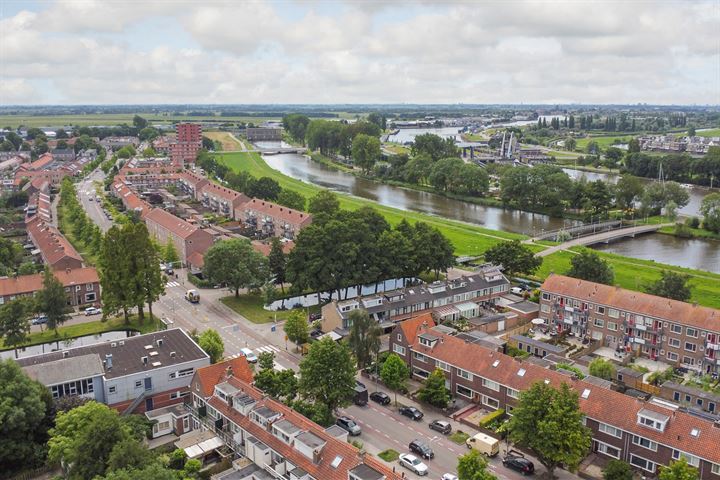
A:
[484,444]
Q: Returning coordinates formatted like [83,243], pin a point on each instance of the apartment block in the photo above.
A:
[82,286]
[272,219]
[188,238]
[678,333]
[278,441]
[136,374]
[222,200]
[646,434]
[187,143]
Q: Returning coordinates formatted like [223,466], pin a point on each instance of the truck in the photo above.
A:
[192,296]
[484,444]
[360,395]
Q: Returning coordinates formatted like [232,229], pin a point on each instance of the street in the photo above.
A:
[86,191]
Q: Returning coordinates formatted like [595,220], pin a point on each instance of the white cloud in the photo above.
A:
[308,52]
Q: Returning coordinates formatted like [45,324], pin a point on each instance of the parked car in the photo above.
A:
[449,476]
[411,462]
[380,397]
[516,290]
[360,398]
[422,449]
[348,424]
[249,355]
[441,426]
[41,320]
[516,461]
[92,311]
[412,412]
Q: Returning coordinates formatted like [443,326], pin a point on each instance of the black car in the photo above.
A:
[422,449]
[440,426]
[412,412]
[380,397]
[516,461]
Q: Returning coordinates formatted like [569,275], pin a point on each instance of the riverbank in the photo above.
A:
[688,232]
[472,240]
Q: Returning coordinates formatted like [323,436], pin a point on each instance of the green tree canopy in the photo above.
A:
[514,257]
[672,285]
[52,300]
[602,368]
[589,266]
[394,373]
[473,466]
[548,422]
[434,146]
[679,470]
[710,209]
[327,374]
[618,470]
[434,390]
[296,125]
[296,327]
[236,263]
[291,199]
[628,190]
[211,342]
[364,339]
[277,262]
[325,202]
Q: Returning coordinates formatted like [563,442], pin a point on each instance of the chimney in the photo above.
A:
[67,270]
[108,361]
[159,342]
[144,360]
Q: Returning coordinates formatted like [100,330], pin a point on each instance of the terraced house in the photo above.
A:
[646,434]
[277,441]
[678,333]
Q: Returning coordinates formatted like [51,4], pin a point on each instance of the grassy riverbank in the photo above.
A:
[691,233]
[468,239]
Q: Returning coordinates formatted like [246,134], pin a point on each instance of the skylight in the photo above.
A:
[336,462]
[496,363]
[586,393]
[695,432]
[521,372]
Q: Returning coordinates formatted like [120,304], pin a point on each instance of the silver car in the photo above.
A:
[411,462]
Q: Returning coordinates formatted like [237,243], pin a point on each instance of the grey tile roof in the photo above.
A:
[66,369]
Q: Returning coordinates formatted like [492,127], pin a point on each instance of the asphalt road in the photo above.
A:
[86,191]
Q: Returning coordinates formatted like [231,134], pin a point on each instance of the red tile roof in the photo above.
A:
[130,199]
[637,302]
[170,222]
[211,375]
[265,247]
[25,284]
[196,259]
[602,404]
[279,212]
[413,326]
[48,239]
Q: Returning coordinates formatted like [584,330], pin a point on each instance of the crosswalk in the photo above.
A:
[172,284]
[267,349]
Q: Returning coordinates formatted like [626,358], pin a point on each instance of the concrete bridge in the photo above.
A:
[279,150]
[603,237]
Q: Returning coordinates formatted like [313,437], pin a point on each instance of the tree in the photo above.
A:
[365,151]
[434,146]
[434,390]
[627,190]
[549,423]
[589,266]
[514,257]
[151,471]
[618,470]
[679,470]
[570,144]
[364,339]
[144,263]
[52,301]
[265,188]
[710,210]
[139,122]
[602,368]
[148,134]
[394,373]
[296,328]
[236,263]
[170,254]
[24,412]
[296,125]
[671,285]
[327,374]
[83,439]
[277,262]
[378,119]
[325,202]
[117,276]
[14,324]
[473,466]
[129,454]
[211,342]
[291,199]
[691,131]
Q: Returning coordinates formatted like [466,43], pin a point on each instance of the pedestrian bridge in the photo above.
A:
[279,150]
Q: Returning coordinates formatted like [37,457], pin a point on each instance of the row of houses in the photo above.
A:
[677,333]
[82,286]
[670,143]
[646,434]
[52,167]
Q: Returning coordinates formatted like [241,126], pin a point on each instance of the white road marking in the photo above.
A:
[172,284]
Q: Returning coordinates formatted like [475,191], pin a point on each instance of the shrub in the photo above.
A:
[571,368]
[490,417]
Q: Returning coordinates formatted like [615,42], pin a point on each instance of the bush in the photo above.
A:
[693,222]
[571,368]
[491,417]
[198,282]
[513,351]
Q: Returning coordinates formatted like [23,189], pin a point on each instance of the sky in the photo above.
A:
[359,51]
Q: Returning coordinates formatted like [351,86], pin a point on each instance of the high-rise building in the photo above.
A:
[187,143]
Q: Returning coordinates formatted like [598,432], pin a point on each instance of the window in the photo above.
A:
[674,342]
[599,322]
[610,430]
[645,443]
[691,459]
[613,313]
[398,349]
[490,402]
[464,391]
[711,406]
[715,469]
[89,287]
[691,332]
[138,383]
[651,422]
[612,326]
[672,356]
[690,347]
[688,360]
[601,310]
[420,357]
[608,449]
[399,337]
[545,308]
[675,328]
[90,297]
[512,393]
[699,402]
[676,396]
[112,389]
[546,296]
[464,374]
[642,463]
[490,384]
[178,394]
[442,365]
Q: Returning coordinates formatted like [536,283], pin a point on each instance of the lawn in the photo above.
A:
[389,455]
[228,141]
[459,437]
[467,238]
[90,328]
[713,132]
[603,141]
[250,306]
[635,274]
[695,232]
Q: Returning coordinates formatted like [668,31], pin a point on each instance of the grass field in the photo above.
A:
[228,141]
[713,132]
[251,307]
[90,328]
[636,274]
[468,239]
[603,142]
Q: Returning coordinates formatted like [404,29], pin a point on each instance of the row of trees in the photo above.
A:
[83,229]
[678,167]
[333,137]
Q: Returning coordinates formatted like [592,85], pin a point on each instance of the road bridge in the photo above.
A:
[603,237]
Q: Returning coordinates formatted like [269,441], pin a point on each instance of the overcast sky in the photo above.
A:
[502,51]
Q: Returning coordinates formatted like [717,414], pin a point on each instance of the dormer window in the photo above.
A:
[654,420]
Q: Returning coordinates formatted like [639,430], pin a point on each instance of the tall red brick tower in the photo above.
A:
[187,143]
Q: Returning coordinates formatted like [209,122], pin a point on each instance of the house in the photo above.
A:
[136,374]
[448,299]
[64,154]
[116,143]
[188,238]
[670,331]
[52,246]
[272,219]
[691,397]
[646,434]
[82,286]
[277,441]
[129,198]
